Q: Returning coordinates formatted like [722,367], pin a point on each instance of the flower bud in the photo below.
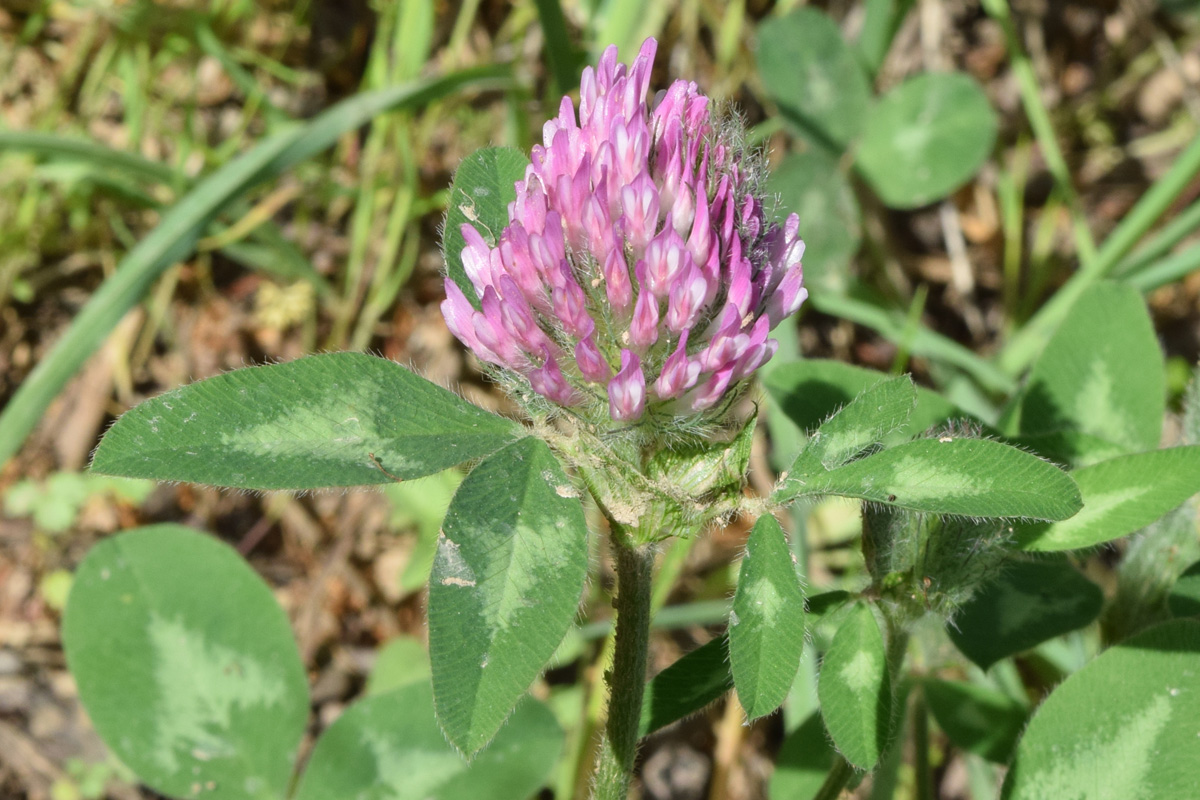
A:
[638,276]
[627,390]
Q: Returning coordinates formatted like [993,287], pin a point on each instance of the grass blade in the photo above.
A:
[173,240]
[93,153]
[1025,345]
[1043,128]
[176,235]
[270,252]
[923,341]
[1169,270]
[1160,245]
[1152,205]
[563,64]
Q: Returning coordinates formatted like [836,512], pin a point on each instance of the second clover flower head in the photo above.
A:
[638,274]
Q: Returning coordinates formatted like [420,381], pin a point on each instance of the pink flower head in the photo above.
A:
[638,273]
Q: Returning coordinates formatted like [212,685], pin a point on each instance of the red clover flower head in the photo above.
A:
[638,274]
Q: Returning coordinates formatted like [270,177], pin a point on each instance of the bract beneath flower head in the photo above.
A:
[638,276]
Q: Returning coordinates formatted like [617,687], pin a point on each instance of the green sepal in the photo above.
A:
[679,490]
[704,469]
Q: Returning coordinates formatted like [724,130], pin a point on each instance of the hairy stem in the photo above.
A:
[897,645]
[836,780]
[627,680]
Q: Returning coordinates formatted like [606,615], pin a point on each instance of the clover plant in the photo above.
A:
[911,146]
[621,286]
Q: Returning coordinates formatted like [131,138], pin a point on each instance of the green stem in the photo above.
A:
[897,643]
[627,681]
[839,775]
[924,770]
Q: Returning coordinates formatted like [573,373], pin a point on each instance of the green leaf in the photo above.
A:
[697,679]
[1101,373]
[821,605]
[766,625]
[813,186]
[342,419]
[1027,604]
[1191,407]
[510,568]
[1184,598]
[814,77]
[963,477]
[811,390]
[881,20]
[1120,496]
[859,427]
[1122,727]
[1073,448]
[186,664]
[401,662]
[484,185]
[805,759]
[181,227]
[977,719]
[389,747]
[420,506]
[856,691]
[925,138]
